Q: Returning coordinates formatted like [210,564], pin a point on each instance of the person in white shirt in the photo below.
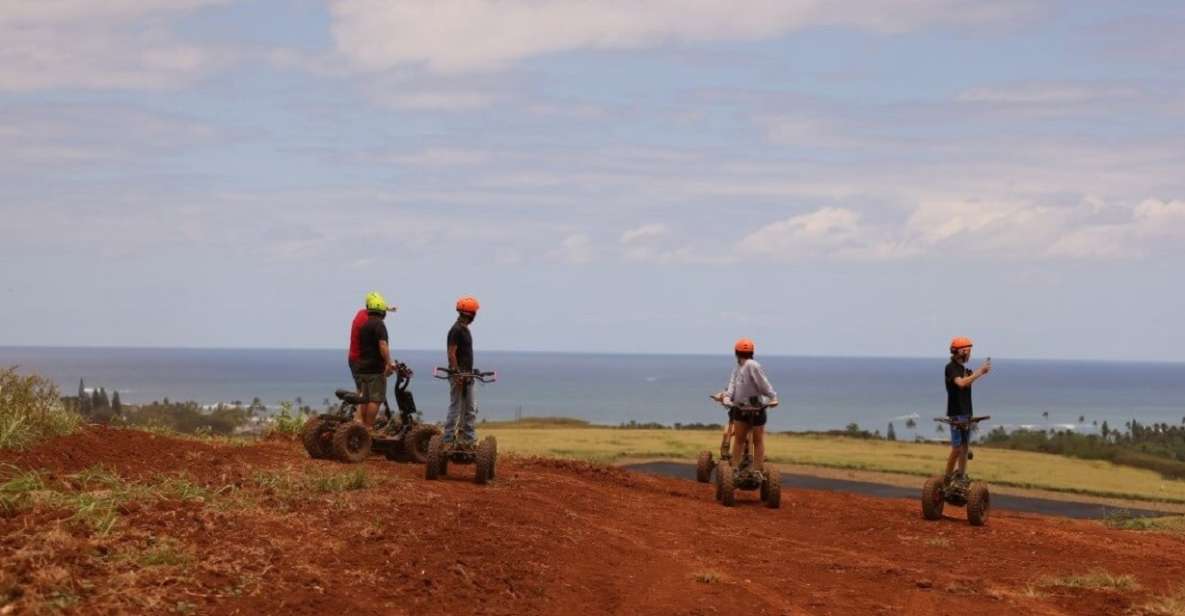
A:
[747,396]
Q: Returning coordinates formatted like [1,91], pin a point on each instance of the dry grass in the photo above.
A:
[91,534]
[1123,520]
[1098,579]
[1172,605]
[31,410]
[999,466]
[707,577]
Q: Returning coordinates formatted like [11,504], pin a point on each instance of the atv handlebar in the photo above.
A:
[962,423]
[482,377]
[719,397]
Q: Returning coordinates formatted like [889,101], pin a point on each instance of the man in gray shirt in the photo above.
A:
[747,396]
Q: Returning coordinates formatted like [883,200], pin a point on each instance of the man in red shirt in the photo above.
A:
[355,352]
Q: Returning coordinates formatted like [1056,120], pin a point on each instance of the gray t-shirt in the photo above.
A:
[748,381]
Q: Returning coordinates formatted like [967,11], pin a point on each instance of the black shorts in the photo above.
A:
[755,419]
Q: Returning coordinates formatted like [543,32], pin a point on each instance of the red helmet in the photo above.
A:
[959,342]
[468,305]
[744,345]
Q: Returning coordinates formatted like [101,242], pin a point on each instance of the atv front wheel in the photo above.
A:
[312,438]
[703,467]
[351,442]
[771,488]
[933,500]
[415,444]
[484,461]
[727,484]
[979,501]
[436,464]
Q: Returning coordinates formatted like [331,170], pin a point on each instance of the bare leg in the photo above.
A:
[759,446]
[370,412]
[952,459]
[740,430]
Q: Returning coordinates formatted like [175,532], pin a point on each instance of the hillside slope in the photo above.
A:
[127,521]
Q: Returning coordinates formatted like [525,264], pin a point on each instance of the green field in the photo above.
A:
[998,466]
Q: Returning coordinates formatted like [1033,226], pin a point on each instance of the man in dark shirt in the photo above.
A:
[958,398]
[374,360]
[462,405]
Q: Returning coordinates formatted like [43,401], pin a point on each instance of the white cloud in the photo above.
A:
[1045,93]
[109,44]
[644,232]
[824,233]
[577,249]
[469,35]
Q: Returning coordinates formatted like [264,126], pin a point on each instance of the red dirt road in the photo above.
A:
[546,537]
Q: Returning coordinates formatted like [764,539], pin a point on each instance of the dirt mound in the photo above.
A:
[135,453]
[547,537]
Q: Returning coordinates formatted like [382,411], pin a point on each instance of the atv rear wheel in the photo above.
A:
[771,488]
[312,438]
[351,442]
[979,501]
[415,444]
[727,489]
[703,467]
[933,499]
[436,464]
[493,459]
[484,461]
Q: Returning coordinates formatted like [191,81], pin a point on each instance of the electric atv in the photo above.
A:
[960,491]
[401,438]
[727,479]
[461,450]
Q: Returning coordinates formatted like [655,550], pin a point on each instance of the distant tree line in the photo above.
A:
[1157,447]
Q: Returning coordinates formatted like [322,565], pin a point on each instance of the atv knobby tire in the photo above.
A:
[932,498]
[493,459]
[727,489]
[415,444]
[351,442]
[311,437]
[703,467]
[771,488]
[716,481]
[979,501]
[436,465]
[484,461]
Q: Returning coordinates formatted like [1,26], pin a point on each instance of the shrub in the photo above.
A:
[31,410]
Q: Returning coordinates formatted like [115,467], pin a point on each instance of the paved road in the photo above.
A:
[999,501]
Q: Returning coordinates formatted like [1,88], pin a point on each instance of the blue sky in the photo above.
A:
[864,178]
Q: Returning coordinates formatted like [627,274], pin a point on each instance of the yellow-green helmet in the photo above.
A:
[375,302]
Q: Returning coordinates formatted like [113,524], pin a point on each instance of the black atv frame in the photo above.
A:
[727,479]
[401,437]
[961,490]
[483,455]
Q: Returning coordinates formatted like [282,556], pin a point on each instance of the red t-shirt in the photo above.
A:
[355,348]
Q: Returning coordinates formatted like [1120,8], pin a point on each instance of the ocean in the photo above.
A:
[817,393]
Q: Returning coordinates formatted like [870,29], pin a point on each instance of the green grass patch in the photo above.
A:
[1022,469]
[1098,579]
[31,410]
[1123,519]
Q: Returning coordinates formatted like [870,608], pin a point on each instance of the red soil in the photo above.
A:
[547,536]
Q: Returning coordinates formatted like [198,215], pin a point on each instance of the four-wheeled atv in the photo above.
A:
[960,490]
[402,437]
[727,479]
[461,450]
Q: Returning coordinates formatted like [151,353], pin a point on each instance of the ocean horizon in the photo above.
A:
[817,392]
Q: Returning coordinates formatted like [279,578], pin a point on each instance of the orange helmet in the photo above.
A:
[744,345]
[959,342]
[468,305]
